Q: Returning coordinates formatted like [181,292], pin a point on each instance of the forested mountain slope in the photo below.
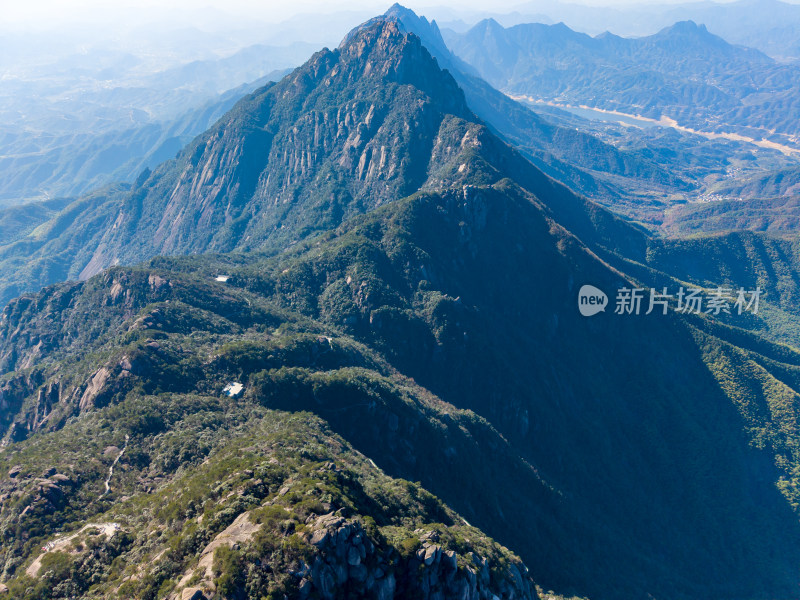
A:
[358,269]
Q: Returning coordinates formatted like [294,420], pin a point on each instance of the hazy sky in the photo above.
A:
[51,13]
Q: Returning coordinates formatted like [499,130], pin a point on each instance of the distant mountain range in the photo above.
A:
[683,73]
[771,26]
[51,165]
[70,129]
[351,283]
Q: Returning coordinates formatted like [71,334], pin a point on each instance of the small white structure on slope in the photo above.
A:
[233,389]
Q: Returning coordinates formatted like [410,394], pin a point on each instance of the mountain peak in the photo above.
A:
[349,130]
[414,23]
[429,34]
[487,25]
[557,33]
[398,10]
[689,31]
[362,37]
[686,27]
[382,47]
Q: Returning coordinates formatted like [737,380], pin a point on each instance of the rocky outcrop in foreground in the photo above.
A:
[348,562]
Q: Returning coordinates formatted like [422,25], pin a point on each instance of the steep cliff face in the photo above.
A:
[348,131]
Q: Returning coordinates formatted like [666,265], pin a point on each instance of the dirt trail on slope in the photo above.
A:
[111,468]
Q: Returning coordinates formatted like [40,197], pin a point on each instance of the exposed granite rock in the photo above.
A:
[94,388]
[12,397]
[350,564]
[193,593]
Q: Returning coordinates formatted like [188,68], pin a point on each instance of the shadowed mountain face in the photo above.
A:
[415,304]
